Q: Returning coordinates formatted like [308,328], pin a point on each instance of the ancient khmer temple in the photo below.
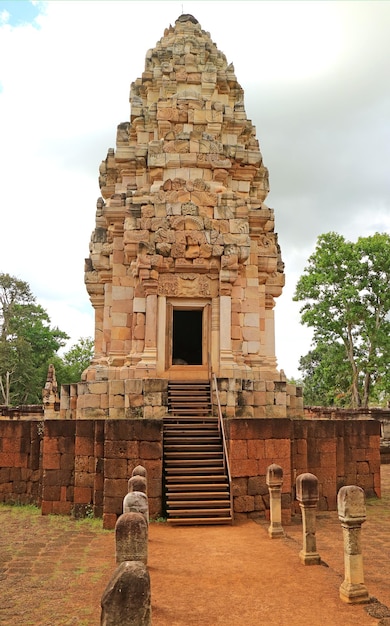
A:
[184,263]
[183,273]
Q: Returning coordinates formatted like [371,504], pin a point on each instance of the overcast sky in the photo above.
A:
[316,77]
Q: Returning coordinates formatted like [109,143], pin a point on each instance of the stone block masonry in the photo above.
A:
[81,467]
[182,239]
[337,452]
[20,461]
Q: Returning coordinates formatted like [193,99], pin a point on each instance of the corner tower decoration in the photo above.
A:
[184,263]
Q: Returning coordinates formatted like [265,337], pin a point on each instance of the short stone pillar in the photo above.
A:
[137,502]
[140,470]
[127,599]
[274,480]
[351,508]
[308,496]
[137,483]
[131,538]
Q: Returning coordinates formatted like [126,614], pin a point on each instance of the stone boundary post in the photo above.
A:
[131,538]
[126,600]
[140,470]
[308,496]
[274,480]
[137,483]
[351,509]
[136,501]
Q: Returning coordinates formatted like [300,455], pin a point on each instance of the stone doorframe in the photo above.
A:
[165,368]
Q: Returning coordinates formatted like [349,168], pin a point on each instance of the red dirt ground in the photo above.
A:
[53,571]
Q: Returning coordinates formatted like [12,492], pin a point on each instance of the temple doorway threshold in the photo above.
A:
[187,341]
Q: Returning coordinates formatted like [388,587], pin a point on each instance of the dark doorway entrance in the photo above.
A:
[187,337]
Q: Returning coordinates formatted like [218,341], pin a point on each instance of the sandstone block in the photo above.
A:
[82,495]
[150,450]
[244,504]
[256,449]
[131,538]
[127,599]
[136,501]
[115,468]
[243,467]
[137,483]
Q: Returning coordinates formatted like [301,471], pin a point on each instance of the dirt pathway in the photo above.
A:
[54,570]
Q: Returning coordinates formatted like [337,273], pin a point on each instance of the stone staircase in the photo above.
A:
[197,487]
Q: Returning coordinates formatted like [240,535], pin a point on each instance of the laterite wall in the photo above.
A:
[20,466]
[337,452]
[81,467]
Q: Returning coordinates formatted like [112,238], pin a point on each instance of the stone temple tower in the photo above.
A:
[184,263]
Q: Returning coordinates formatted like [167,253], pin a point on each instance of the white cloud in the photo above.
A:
[315,76]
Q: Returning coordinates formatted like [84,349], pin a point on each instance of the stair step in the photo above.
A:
[196,485]
[193,397]
[202,434]
[188,383]
[191,400]
[197,413]
[187,390]
[196,495]
[203,512]
[205,487]
[191,417]
[176,424]
[200,504]
[190,453]
[190,392]
[187,441]
[195,478]
[198,449]
[186,401]
[197,521]
[191,409]
[176,437]
[213,465]
[185,393]
[202,443]
[196,462]
[189,414]
[206,469]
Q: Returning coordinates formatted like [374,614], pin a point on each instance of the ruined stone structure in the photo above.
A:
[184,263]
[183,273]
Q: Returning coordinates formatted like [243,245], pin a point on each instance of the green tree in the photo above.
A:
[345,287]
[71,365]
[27,343]
[326,376]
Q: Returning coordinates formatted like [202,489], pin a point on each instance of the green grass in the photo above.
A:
[21,509]
[92,524]
[378,506]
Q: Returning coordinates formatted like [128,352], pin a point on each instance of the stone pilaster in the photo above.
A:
[351,508]
[308,496]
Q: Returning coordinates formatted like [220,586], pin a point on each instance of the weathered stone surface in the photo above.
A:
[307,496]
[351,508]
[127,598]
[138,483]
[182,217]
[136,501]
[274,480]
[131,538]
